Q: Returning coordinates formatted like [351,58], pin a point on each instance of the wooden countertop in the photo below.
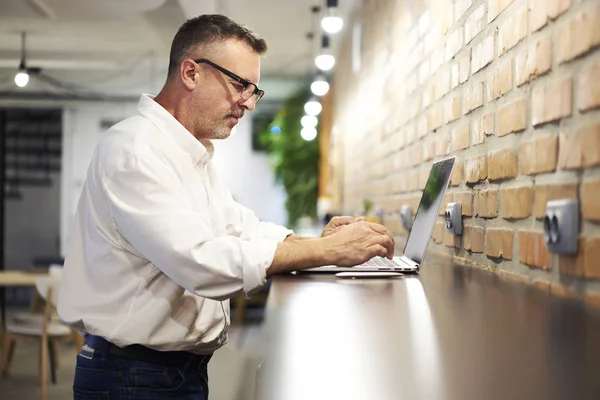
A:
[450,332]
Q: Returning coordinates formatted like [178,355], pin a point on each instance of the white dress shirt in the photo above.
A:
[159,244]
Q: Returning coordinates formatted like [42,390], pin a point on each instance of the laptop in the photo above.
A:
[420,234]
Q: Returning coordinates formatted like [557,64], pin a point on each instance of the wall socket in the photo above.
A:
[453,216]
[406,217]
[561,226]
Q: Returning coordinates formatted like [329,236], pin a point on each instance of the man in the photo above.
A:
[159,245]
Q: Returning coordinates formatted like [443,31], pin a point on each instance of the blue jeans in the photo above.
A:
[101,375]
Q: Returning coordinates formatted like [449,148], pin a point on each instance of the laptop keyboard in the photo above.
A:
[380,262]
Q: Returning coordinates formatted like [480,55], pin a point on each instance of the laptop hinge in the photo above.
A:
[409,262]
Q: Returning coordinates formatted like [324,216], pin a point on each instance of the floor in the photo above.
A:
[231,370]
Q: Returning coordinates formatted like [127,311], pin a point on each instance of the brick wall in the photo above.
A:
[512,88]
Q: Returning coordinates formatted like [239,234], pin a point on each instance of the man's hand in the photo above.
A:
[338,222]
[355,243]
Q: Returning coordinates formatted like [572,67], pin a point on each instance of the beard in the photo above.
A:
[219,127]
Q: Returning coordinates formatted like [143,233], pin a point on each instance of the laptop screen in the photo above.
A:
[428,210]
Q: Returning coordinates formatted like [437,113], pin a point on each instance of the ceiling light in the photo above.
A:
[320,86]
[308,134]
[325,61]
[313,107]
[332,24]
[309,121]
[21,79]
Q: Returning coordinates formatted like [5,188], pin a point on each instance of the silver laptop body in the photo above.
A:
[420,234]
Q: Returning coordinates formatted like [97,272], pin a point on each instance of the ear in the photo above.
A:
[189,74]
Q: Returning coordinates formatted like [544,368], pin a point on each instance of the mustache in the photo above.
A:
[236,114]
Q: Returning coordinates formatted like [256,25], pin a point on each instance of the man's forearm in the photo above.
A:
[294,254]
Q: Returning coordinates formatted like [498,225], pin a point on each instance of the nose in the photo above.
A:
[249,104]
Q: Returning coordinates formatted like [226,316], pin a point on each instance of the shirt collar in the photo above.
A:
[170,126]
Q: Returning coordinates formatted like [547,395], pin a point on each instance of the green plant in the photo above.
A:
[368,206]
[294,160]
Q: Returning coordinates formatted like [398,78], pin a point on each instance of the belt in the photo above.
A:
[144,354]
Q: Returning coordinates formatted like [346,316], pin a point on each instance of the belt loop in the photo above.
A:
[99,344]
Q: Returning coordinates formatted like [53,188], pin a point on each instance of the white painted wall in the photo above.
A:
[246,173]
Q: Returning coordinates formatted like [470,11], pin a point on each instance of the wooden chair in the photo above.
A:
[48,331]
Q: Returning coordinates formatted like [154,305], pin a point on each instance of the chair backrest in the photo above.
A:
[47,288]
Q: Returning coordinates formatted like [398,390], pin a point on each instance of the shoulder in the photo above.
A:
[133,138]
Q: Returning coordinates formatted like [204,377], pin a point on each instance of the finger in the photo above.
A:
[359,219]
[339,221]
[381,230]
[388,244]
[377,250]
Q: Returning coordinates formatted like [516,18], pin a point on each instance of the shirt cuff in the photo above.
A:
[258,257]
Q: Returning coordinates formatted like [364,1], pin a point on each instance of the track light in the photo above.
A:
[332,23]
[325,61]
[320,86]
[308,133]
[313,107]
[309,121]
[21,78]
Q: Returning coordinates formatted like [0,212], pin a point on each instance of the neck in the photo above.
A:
[177,106]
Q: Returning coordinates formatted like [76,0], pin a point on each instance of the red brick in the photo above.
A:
[442,145]
[453,76]
[499,243]
[579,149]
[438,232]
[512,117]
[579,34]
[434,119]
[539,155]
[442,83]
[542,10]
[464,64]
[552,101]
[473,238]
[512,30]
[428,149]
[466,199]
[453,108]
[477,132]
[590,196]
[458,173]
[488,123]
[450,240]
[534,60]
[546,193]
[517,202]
[495,7]
[482,54]
[589,87]
[592,300]
[460,137]
[476,168]
[473,97]
[454,43]
[475,23]
[502,164]
[501,80]
[486,203]
[585,262]
[423,176]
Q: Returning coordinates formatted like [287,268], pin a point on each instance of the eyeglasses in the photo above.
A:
[249,88]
